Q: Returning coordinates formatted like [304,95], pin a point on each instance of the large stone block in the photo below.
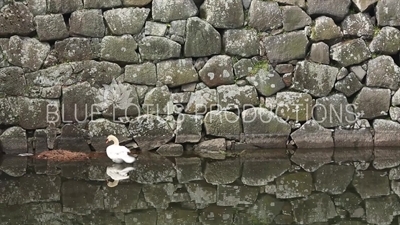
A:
[223,14]
[294,18]
[202,39]
[294,185]
[358,25]
[325,29]
[242,43]
[334,111]
[77,102]
[333,179]
[372,102]
[285,47]
[99,130]
[71,139]
[119,49]
[371,184]
[16,19]
[383,72]
[28,53]
[51,27]
[159,48]
[387,13]
[294,105]
[386,133]
[265,15]
[222,172]
[188,169]
[87,23]
[236,97]
[12,81]
[350,52]
[312,135]
[62,7]
[103,4]
[126,20]
[188,128]
[14,141]
[312,159]
[361,138]
[77,49]
[308,211]
[316,79]
[217,71]
[175,73]
[169,10]
[223,124]
[38,113]
[150,131]
[335,9]
[266,80]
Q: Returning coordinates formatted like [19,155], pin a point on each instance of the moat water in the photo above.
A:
[279,186]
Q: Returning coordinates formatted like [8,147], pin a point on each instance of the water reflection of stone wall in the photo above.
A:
[345,187]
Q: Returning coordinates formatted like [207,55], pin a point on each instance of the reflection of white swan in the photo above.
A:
[117,172]
[117,153]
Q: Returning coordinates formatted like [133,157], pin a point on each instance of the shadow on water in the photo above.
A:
[305,186]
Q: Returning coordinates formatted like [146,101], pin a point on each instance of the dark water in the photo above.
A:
[318,186]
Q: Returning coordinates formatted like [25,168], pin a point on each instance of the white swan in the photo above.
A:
[117,173]
[117,153]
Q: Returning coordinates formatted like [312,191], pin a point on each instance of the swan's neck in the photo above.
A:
[115,140]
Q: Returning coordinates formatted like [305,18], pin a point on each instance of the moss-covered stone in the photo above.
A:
[294,185]
[350,52]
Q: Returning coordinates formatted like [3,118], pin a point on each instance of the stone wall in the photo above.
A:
[341,187]
[210,74]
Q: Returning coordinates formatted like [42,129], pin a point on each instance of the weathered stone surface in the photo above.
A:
[222,14]
[217,71]
[386,132]
[51,27]
[27,52]
[158,101]
[31,114]
[350,52]
[216,215]
[170,150]
[394,113]
[383,72]
[333,179]
[156,29]
[378,102]
[294,105]
[119,49]
[382,210]
[201,101]
[349,85]
[158,195]
[9,111]
[361,138]
[150,131]
[257,15]
[12,81]
[307,211]
[243,68]
[166,11]
[136,2]
[260,124]
[263,211]
[312,135]
[77,100]
[152,169]
[72,139]
[159,48]
[213,148]
[394,174]
[103,4]
[385,158]
[370,184]
[142,74]
[325,29]
[188,169]
[396,98]
[362,5]
[139,217]
[222,172]
[77,49]
[116,201]
[16,19]
[333,111]
[348,201]
[177,216]
[71,192]
[261,168]
[233,195]
[335,9]
[188,128]
[202,39]
[285,47]
[126,20]
[97,73]
[358,25]
[180,98]
[294,185]
[387,41]
[202,194]
[14,166]
[223,124]
[294,18]
[234,97]
[267,82]
[87,23]
[62,7]
[387,13]
[242,43]
[175,73]
[37,7]
[320,53]
[312,159]
[316,79]
[99,129]
[14,141]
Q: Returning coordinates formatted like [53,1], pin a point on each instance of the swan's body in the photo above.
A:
[117,173]
[117,153]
